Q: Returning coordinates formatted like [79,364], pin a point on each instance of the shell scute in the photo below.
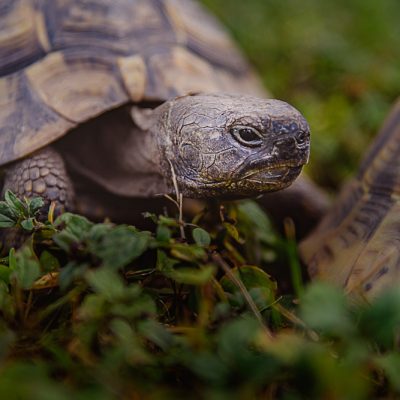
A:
[63,62]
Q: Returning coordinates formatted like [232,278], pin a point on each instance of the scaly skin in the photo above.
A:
[215,145]
[42,174]
[200,138]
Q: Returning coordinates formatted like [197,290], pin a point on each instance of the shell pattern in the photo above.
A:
[65,61]
[357,245]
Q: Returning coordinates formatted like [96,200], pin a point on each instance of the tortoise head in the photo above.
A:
[231,146]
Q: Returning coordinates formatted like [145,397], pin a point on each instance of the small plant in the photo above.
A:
[16,212]
[108,311]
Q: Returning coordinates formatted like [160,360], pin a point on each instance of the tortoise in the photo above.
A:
[357,244]
[132,98]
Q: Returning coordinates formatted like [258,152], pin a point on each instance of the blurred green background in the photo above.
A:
[338,61]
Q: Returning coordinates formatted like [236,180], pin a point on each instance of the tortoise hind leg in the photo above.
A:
[43,174]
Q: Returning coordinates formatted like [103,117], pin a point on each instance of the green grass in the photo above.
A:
[338,61]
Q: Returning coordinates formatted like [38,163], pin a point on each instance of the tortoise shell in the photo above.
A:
[63,62]
[357,245]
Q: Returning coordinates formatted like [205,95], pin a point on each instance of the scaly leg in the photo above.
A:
[41,174]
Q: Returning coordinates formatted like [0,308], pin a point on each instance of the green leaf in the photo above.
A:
[257,220]
[120,246]
[22,380]
[190,275]
[27,268]
[15,203]
[236,341]
[7,304]
[186,252]
[98,231]
[324,308]
[35,205]
[75,229]
[157,333]
[28,224]
[5,273]
[209,367]
[70,272]
[381,320]
[151,216]
[168,221]
[106,282]
[12,261]
[232,231]
[92,308]
[163,233]
[201,237]
[128,341]
[6,222]
[390,363]
[65,239]
[76,225]
[134,305]
[164,263]
[7,211]
[48,262]
[253,278]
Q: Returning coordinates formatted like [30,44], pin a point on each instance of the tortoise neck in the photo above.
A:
[115,153]
[140,158]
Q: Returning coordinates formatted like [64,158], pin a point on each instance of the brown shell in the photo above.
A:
[65,61]
[357,245]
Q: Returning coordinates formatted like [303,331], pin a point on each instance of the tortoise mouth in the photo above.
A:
[286,173]
[272,175]
[252,184]
[263,181]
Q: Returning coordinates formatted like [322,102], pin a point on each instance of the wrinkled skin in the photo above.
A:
[214,146]
[228,145]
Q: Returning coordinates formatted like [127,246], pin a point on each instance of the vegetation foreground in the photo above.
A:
[107,311]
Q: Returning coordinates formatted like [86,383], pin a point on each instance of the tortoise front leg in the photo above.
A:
[41,174]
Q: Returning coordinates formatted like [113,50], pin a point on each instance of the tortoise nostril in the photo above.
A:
[286,148]
[286,144]
[301,137]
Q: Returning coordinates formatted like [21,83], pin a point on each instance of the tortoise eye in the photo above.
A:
[247,136]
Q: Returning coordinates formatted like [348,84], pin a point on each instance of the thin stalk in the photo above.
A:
[252,306]
[179,202]
[295,267]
